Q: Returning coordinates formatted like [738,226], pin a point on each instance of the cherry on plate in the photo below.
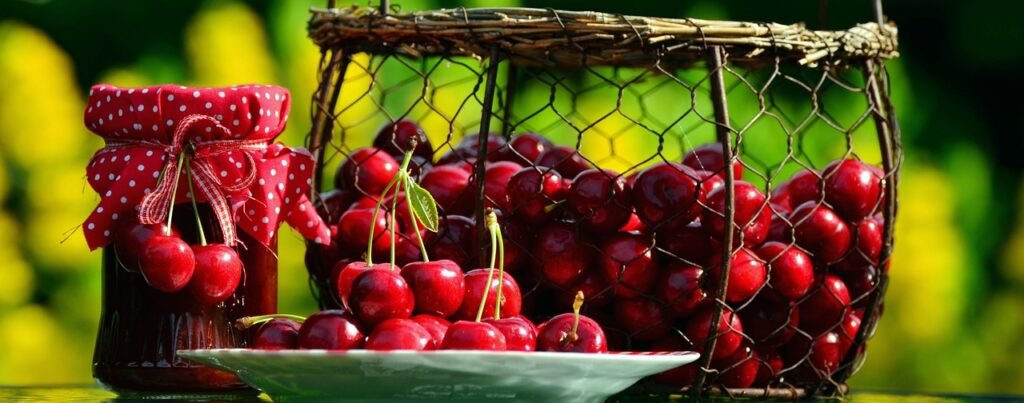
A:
[398,334]
[330,330]
[276,334]
[438,285]
[380,294]
[467,335]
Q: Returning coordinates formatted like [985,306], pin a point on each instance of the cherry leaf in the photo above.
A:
[423,205]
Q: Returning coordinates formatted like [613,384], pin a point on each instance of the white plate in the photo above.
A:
[363,375]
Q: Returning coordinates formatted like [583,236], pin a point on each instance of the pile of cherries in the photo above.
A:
[645,248]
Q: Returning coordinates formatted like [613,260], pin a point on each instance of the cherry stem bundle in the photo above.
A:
[396,185]
[492,227]
[250,321]
[195,207]
[174,192]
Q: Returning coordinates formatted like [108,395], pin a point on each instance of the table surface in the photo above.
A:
[89,393]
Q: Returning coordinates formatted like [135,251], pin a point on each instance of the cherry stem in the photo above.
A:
[400,175]
[174,193]
[576,305]
[490,273]
[195,207]
[416,228]
[394,211]
[492,224]
[250,321]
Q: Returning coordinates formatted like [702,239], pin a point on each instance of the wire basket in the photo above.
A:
[625,94]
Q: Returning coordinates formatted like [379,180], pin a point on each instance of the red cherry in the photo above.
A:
[565,160]
[770,367]
[780,200]
[438,286]
[825,307]
[277,334]
[792,272]
[729,331]
[398,334]
[860,282]
[747,274]
[868,245]
[817,229]
[852,188]
[770,323]
[330,330]
[633,224]
[598,293]
[166,262]
[848,331]
[601,199]
[466,335]
[129,243]
[524,149]
[803,186]
[354,229]
[394,139]
[709,182]
[561,255]
[643,319]
[380,294]
[520,334]
[531,190]
[496,177]
[368,170]
[826,353]
[556,335]
[471,143]
[752,214]
[709,157]
[626,261]
[781,230]
[450,187]
[739,370]
[454,241]
[347,274]
[688,244]
[679,377]
[436,326]
[218,270]
[332,204]
[678,288]
[476,281]
[666,194]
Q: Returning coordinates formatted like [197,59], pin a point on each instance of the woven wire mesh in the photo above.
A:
[783,118]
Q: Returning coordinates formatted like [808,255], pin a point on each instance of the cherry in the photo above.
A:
[561,255]
[627,262]
[368,170]
[380,294]
[817,229]
[354,229]
[780,200]
[598,293]
[218,270]
[496,177]
[771,366]
[709,157]
[752,214]
[450,187]
[729,331]
[688,243]
[852,188]
[709,182]
[770,323]
[848,331]
[531,190]
[601,199]
[330,330]
[572,333]
[681,376]
[792,272]
[781,230]
[739,370]
[524,149]
[678,288]
[633,224]
[436,326]
[643,319]
[476,283]
[277,334]
[513,240]
[467,335]
[347,273]
[166,262]
[860,282]
[825,307]
[867,247]
[406,250]
[454,241]
[826,353]
[565,160]
[129,243]
[666,194]
[438,286]
[395,137]
[471,143]
[520,334]
[399,334]
[747,274]
[803,186]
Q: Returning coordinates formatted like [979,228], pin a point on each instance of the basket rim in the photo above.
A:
[549,37]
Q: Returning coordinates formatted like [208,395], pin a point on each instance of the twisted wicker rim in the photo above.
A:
[554,38]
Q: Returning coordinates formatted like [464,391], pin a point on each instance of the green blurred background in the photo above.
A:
[954,319]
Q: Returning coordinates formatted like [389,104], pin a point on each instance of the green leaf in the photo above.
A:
[423,205]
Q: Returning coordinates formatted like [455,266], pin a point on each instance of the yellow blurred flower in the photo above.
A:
[226,45]
[38,350]
[18,279]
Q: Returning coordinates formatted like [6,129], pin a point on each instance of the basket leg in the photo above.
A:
[481,160]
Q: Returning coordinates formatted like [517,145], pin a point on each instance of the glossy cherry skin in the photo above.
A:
[709,157]
[739,370]
[434,325]
[333,203]
[803,187]
[368,170]
[601,199]
[330,330]
[555,335]
[380,294]
[729,331]
[747,274]
[394,139]
[688,244]
[496,177]
[818,230]
[780,200]
[399,334]
[826,306]
[666,194]
[752,214]
[531,190]
[867,246]
[593,286]
[848,330]
[770,323]
[860,282]
[708,182]
[471,143]
[354,229]
[476,281]
[454,241]
[438,285]
[217,274]
[641,318]
[678,289]
[129,242]
[852,188]
[450,187]
[524,149]
[771,365]
[826,353]
[467,335]
[167,263]
[626,261]
[561,254]
[565,160]
[276,334]
[520,334]
[780,230]
[792,272]
[634,224]
[347,274]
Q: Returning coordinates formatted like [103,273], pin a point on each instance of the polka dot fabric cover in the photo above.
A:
[137,125]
